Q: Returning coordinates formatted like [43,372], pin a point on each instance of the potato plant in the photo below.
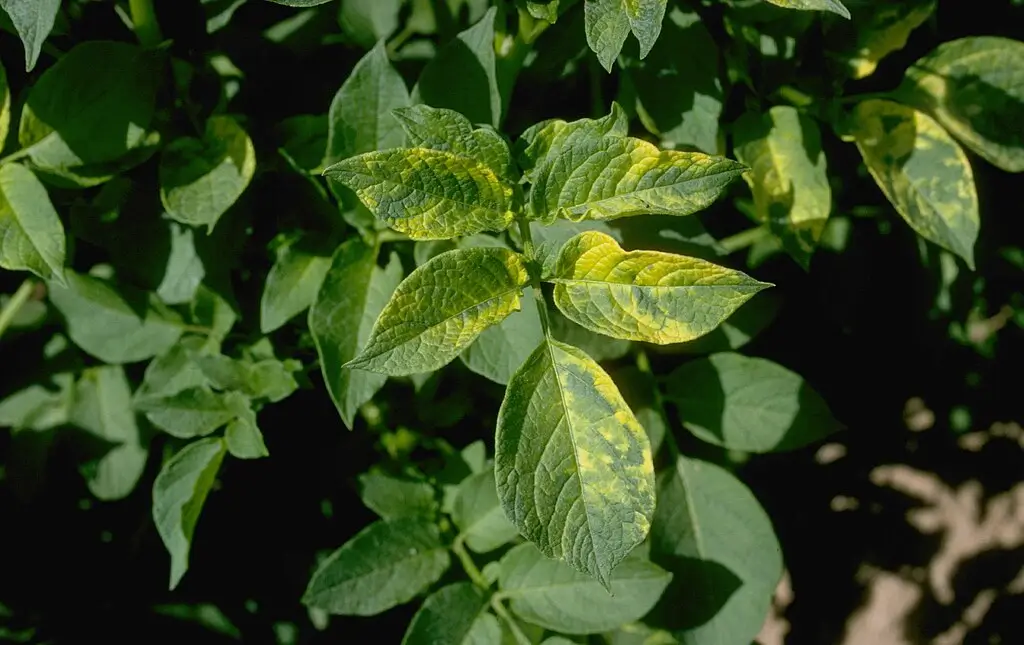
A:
[524,303]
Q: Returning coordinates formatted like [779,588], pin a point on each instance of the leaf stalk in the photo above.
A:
[14,305]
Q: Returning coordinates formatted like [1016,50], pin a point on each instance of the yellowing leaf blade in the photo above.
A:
[573,465]
[428,194]
[441,308]
[645,295]
[922,171]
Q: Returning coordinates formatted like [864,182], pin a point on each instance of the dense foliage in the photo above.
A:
[517,245]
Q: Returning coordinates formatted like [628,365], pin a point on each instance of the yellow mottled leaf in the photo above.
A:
[441,308]
[573,465]
[974,87]
[429,194]
[922,171]
[645,295]
[787,177]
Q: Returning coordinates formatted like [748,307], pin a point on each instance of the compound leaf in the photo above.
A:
[178,496]
[573,465]
[974,88]
[922,171]
[386,564]
[748,404]
[351,298]
[548,593]
[788,176]
[441,308]
[201,179]
[645,295]
[31,233]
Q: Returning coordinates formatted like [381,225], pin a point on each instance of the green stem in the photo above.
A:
[400,38]
[14,305]
[743,239]
[517,631]
[528,250]
[794,96]
[459,549]
[14,156]
[392,236]
[144,19]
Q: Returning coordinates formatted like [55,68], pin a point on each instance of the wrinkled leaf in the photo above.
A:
[479,516]
[114,324]
[448,131]
[922,171]
[33,20]
[548,593]
[201,179]
[351,298]
[360,118]
[93,106]
[644,295]
[788,176]
[608,22]
[499,351]
[441,308]
[715,538]
[102,407]
[973,88]
[386,564]
[748,404]
[178,496]
[573,466]
[449,617]
[31,233]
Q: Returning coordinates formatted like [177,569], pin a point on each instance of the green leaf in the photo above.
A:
[441,308]
[201,179]
[242,436]
[882,29]
[184,271]
[645,295]
[292,285]
[172,371]
[5,107]
[428,194]
[102,406]
[608,22]
[37,407]
[300,3]
[93,106]
[178,496]
[33,21]
[449,616]
[351,298]
[972,87]
[552,595]
[463,75]
[922,171]
[191,412]
[31,233]
[448,131]
[368,21]
[577,175]
[360,119]
[566,440]
[748,404]
[718,542]
[679,95]
[788,176]
[268,379]
[392,498]
[386,564]
[639,634]
[834,6]
[548,239]
[478,514]
[116,325]
[500,349]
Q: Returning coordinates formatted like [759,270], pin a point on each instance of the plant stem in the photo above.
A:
[517,631]
[14,305]
[144,19]
[14,156]
[794,96]
[467,563]
[743,239]
[538,294]
[400,38]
